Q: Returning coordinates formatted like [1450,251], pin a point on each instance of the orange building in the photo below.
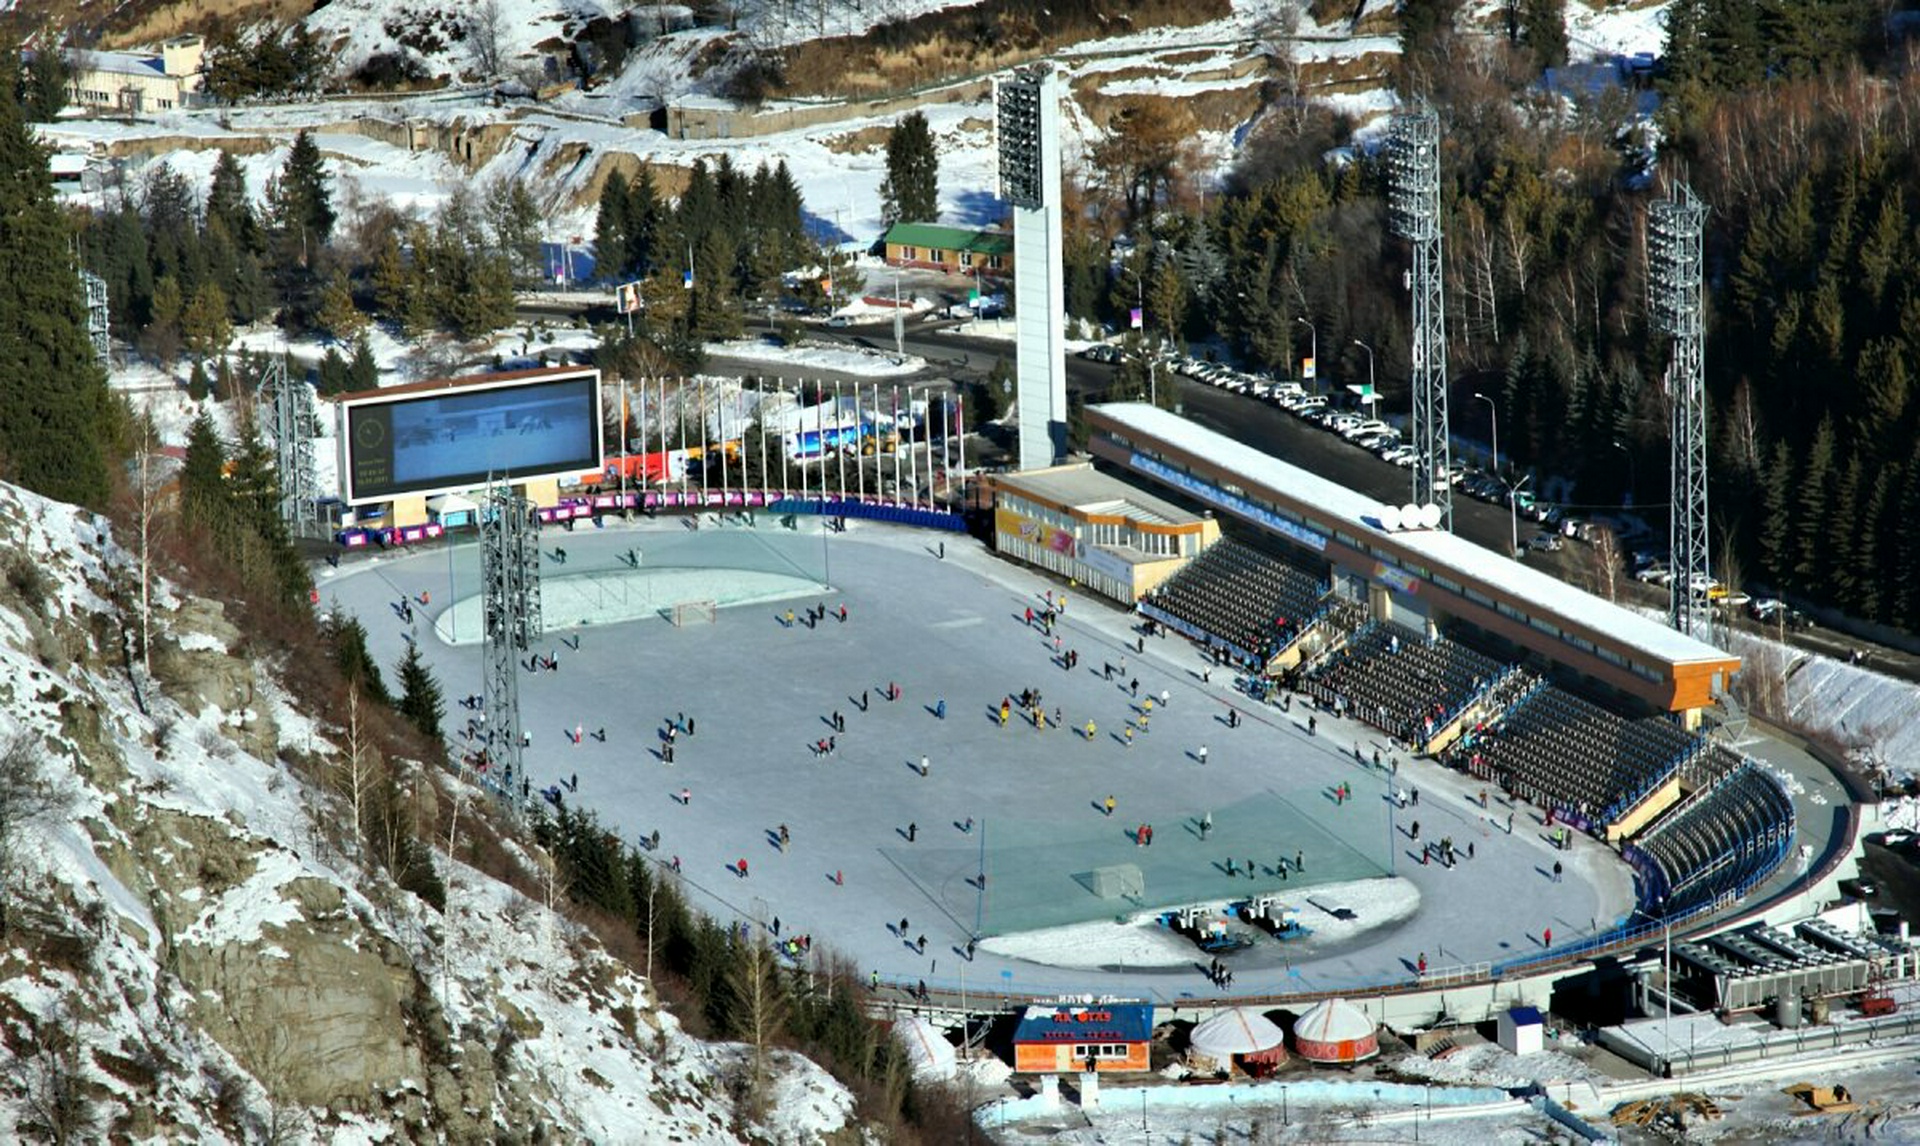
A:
[1063,1038]
[1109,535]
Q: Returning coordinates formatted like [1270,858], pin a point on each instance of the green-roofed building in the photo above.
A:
[962,250]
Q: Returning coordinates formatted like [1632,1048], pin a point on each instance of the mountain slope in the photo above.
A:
[194,954]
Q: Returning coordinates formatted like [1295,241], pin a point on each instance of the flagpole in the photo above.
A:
[861,436]
[898,439]
[960,417]
[840,433]
[913,456]
[782,384]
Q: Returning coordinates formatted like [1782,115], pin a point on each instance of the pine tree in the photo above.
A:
[1815,511]
[612,232]
[363,372]
[300,218]
[203,494]
[331,378]
[1776,522]
[44,89]
[420,699]
[205,327]
[303,200]
[1543,24]
[347,637]
[338,315]
[646,218]
[228,202]
[56,414]
[197,384]
[911,191]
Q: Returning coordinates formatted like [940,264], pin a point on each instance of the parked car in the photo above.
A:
[1545,543]
[1364,427]
[1654,573]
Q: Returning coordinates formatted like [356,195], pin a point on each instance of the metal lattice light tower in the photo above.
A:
[1413,210]
[96,313]
[290,405]
[510,601]
[1674,292]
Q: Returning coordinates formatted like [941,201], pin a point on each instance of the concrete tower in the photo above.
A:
[1029,122]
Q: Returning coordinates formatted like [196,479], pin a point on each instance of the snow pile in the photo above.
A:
[1489,1065]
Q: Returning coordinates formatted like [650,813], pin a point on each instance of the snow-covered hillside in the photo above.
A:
[196,954]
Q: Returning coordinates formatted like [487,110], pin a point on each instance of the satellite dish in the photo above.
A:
[1409,516]
[1390,517]
[1430,516]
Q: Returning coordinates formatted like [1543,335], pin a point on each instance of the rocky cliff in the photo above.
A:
[194,952]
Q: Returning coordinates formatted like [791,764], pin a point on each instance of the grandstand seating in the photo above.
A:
[1554,749]
[1249,598]
[1721,841]
[1402,683]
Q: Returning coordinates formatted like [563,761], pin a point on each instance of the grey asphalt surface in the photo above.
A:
[760,694]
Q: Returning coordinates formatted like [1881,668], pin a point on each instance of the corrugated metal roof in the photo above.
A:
[934,235]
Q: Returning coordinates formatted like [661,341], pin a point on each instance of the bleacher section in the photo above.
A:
[1251,600]
[1720,842]
[1559,751]
[1402,683]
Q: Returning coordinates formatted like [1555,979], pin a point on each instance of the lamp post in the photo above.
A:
[1632,482]
[1369,351]
[1513,506]
[1493,412]
[1313,349]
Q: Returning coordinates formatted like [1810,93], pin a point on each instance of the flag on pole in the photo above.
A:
[686,278]
[1307,369]
[626,298]
[1137,318]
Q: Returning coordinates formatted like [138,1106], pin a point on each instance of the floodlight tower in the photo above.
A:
[96,313]
[1674,226]
[1413,209]
[290,405]
[1028,105]
[510,600]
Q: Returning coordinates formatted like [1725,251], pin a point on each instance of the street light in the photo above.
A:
[1369,351]
[1313,352]
[1632,482]
[1513,501]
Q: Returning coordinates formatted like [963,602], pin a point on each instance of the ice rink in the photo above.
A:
[872,841]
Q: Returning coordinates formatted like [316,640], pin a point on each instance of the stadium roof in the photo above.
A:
[1084,488]
[1438,550]
[430,385]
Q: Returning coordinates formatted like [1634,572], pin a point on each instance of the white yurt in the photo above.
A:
[1335,1030]
[1237,1033]
[928,1050]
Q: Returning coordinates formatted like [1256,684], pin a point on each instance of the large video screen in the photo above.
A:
[458,438]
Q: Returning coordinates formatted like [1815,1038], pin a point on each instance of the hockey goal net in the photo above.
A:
[695,613]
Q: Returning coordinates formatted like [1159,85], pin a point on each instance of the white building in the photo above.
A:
[136,82]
